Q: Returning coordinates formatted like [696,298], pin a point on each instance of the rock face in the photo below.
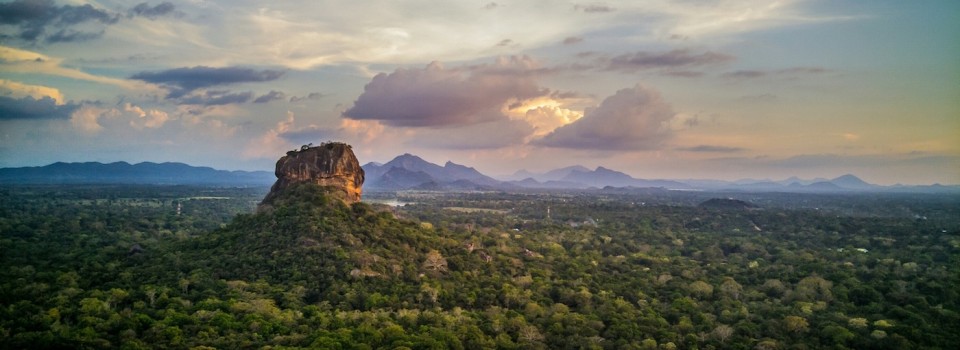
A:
[331,164]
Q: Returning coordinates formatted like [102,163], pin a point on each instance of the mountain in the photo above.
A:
[852,182]
[602,177]
[400,178]
[126,173]
[552,175]
[843,184]
[409,171]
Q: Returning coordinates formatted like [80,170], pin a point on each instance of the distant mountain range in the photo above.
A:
[410,172]
[126,173]
[580,177]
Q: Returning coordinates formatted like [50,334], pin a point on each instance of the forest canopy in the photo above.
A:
[188,267]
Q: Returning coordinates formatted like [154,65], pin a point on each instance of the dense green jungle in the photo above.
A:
[178,267]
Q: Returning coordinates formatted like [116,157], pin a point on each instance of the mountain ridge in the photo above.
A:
[416,173]
[172,173]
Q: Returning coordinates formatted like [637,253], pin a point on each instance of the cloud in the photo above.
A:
[31,18]
[803,70]
[215,98]
[643,60]
[795,71]
[271,96]
[746,74]
[311,96]
[86,119]
[308,134]
[759,98]
[360,130]
[285,135]
[29,107]
[27,62]
[491,135]
[160,10]
[365,131]
[69,35]
[570,40]
[711,149]
[272,142]
[91,118]
[15,89]
[180,81]
[438,97]
[546,119]
[632,119]
[683,73]
[150,118]
[593,8]
[849,136]
[692,121]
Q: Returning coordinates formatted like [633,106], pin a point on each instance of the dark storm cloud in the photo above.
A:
[181,81]
[31,20]
[438,97]
[215,98]
[711,149]
[593,8]
[45,12]
[632,119]
[30,108]
[270,96]
[643,60]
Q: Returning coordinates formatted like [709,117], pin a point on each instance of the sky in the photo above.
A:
[659,89]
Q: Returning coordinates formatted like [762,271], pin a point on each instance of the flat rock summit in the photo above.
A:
[331,164]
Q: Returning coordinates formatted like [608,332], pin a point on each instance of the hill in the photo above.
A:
[409,171]
[126,173]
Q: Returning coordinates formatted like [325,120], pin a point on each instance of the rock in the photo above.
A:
[332,165]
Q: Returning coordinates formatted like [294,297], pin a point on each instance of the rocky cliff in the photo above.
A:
[331,165]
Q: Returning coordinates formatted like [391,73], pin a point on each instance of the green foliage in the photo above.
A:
[631,271]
